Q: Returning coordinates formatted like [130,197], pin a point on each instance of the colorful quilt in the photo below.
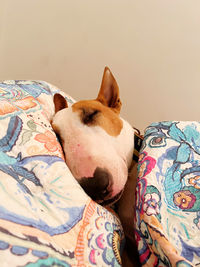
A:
[46,219]
[168,195]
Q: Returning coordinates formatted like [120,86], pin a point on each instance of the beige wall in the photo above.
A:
[152,47]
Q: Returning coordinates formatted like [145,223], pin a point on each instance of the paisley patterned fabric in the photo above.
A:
[168,195]
[45,217]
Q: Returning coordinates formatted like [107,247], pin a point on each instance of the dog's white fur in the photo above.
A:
[88,147]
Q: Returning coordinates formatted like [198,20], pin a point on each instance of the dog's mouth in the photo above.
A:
[110,201]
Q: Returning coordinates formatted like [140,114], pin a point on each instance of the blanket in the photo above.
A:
[46,219]
[168,195]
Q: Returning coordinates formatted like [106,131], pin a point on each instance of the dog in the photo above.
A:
[98,144]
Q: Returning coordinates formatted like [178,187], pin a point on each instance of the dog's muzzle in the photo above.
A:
[98,187]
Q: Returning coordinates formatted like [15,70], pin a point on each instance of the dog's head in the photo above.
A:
[97,143]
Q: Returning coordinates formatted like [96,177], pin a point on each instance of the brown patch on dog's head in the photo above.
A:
[93,113]
[104,110]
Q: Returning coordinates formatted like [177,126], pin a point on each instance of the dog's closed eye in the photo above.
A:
[89,115]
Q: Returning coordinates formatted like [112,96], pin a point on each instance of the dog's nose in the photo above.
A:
[99,186]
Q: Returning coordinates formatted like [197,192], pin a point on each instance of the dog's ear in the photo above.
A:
[109,91]
[60,102]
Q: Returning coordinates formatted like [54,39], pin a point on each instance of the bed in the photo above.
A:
[168,195]
[46,219]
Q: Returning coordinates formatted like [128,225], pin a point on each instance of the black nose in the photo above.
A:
[99,186]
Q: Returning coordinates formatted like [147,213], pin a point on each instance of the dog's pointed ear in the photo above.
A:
[109,91]
[59,102]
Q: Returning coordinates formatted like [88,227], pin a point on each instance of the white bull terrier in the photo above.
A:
[98,144]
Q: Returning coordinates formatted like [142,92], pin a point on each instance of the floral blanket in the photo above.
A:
[168,195]
[45,217]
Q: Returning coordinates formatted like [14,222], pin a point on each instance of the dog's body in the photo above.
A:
[97,142]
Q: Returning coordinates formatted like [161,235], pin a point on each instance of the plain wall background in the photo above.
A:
[151,46]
